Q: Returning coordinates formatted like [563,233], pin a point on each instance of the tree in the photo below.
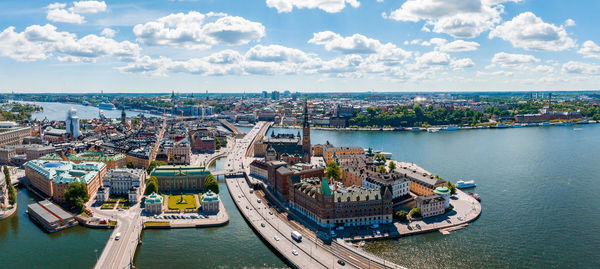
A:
[76,195]
[217,143]
[392,166]
[151,185]
[452,188]
[12,193]
[381,169]
[333,171]
[130,165]
[400,215]
[415,213]
[210,183]
[154,164]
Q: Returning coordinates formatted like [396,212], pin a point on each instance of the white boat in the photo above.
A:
[545,124]
[433,130]
[450,128]
[107,106]
[465,184]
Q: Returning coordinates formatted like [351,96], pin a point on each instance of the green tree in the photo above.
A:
[130,165]
[154,164]
[452,188]
[415,213]
[217,143]
[400,215]
[333,171]
[76,195]
[392,166]
[151,185]
[381,169]
[210,183]
[12,193]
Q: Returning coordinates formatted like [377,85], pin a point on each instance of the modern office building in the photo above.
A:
[72,123]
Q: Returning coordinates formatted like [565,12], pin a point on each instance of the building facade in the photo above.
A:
[210,202]
[179,178]
[154,204]
[125,182]
[13,135]
[430,205]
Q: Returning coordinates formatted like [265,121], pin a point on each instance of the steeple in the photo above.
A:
[306,146]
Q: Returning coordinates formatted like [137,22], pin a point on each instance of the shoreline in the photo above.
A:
[439,128]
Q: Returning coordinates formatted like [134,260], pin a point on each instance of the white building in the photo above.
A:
[72,123]
[430,205]
[125,181]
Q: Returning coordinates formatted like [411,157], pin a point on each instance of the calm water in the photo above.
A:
[25,245]
[541,209]
[540,191]
[58,111]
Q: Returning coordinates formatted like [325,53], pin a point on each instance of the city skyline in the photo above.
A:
[305,46]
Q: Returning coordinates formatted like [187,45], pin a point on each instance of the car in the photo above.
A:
[262,225]
[270,212]
[448,221]
[276,238]
[341,262]
[418,226]
[294,252]
[258,201]
[247,207]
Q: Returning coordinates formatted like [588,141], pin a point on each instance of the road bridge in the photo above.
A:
[118,254]
[230,127]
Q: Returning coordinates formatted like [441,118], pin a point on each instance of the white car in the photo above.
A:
[276,238]
[294,252]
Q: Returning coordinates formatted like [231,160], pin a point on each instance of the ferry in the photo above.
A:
[450,128]
[465,184]
[107,106]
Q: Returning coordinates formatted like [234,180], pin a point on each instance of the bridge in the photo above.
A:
[230,127]
[118,254]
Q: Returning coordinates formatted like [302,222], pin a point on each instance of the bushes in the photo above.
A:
[400,215]
[76,195]
[210,183]
[151,185]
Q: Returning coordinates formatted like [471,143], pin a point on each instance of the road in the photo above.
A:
[120,253]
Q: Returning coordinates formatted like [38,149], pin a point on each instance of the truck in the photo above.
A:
[296,236]
[117,236]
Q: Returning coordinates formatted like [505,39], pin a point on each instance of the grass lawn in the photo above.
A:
[190,202]
[108,206]
[112,223]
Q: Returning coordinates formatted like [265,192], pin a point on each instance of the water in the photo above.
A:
[540,191]
[218,164]
[58,111]
[25,245]
[539,186]
[232,246]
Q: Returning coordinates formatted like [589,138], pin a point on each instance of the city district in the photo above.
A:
[314,204]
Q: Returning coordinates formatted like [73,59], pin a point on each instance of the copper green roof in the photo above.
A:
[154,199]
[325,190]
[51,156]
[179,170]
[96,156]
[442,190]
[210,196]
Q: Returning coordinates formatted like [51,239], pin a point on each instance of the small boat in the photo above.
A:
[433,130]
[560,123]
[482,127]
[476,196]
[85,103]
[450,128]
[583,122]
[545,124]
[501,125]
[465,184]
[516,126]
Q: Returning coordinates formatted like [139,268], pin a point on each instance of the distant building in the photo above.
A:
[275,95]
[72,123]
[53,177]
[259,169]
[154,204]
[178,178]
[420,183]
[430,205]
[14,135]
[210,202]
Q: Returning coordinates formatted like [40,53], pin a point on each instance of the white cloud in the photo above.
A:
[107,32]
[513,60]
[195,30]
[355,44]
[462,63]
[529,32]
[82,7]
[544,69]
[63,15]
[589,49]
[330,6]
[573,67]
[454,46]
[458,18]
[40,42]
[276,53]
[434,58]
[57,12]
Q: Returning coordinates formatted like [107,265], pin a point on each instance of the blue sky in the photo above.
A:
[298,45]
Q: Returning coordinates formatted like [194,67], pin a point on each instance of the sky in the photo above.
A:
[225,46]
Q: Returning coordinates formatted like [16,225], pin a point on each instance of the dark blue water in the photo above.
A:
[58,111]
[540,190]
